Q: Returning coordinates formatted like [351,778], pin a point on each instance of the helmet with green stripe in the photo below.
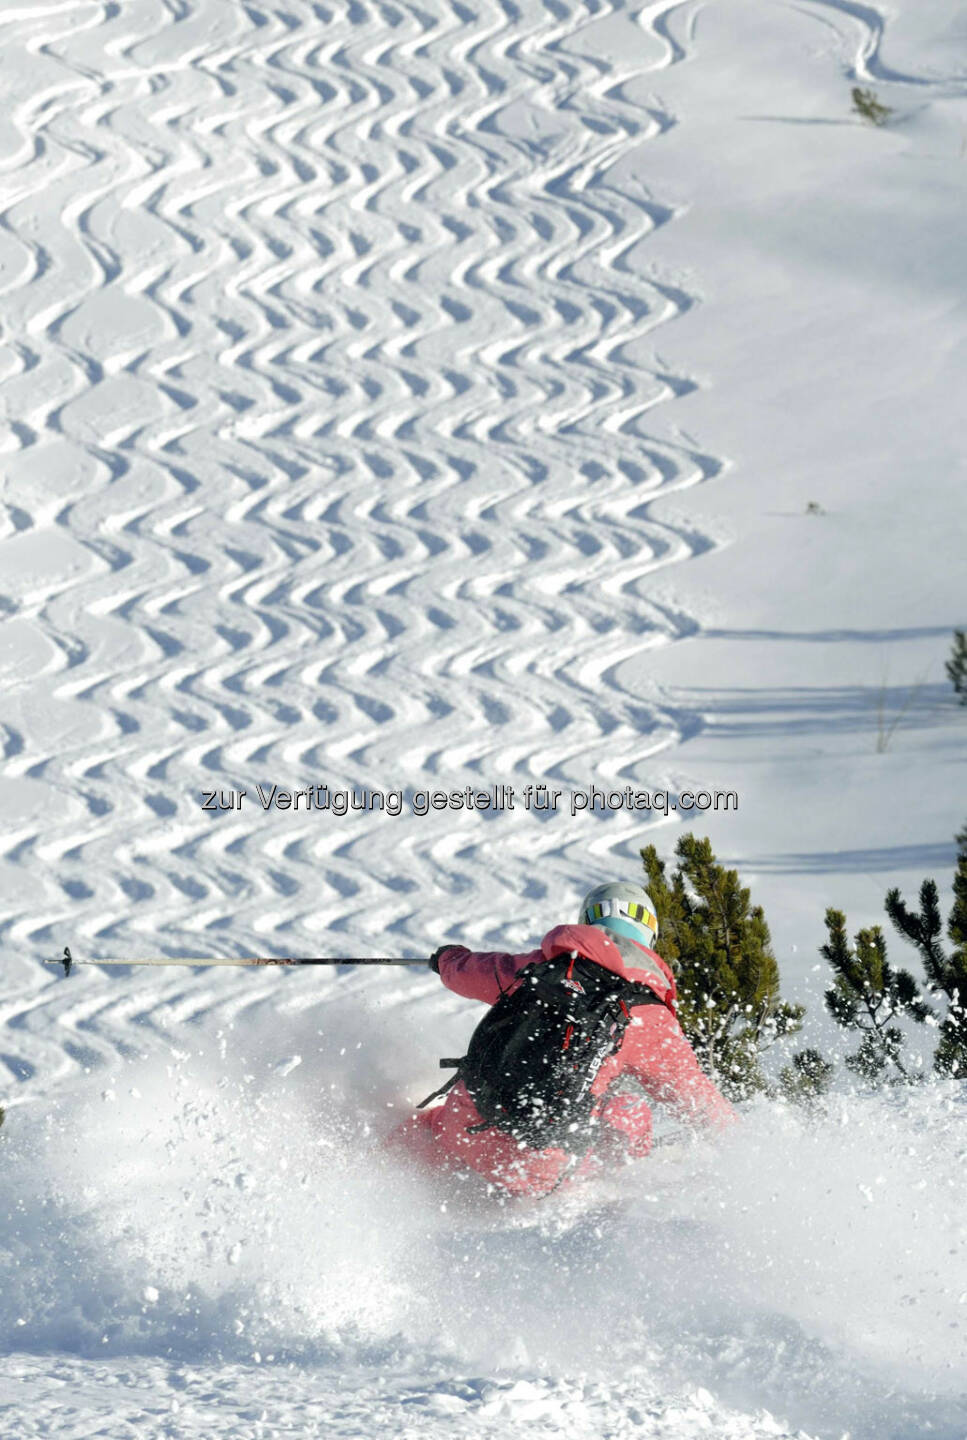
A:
[623,908]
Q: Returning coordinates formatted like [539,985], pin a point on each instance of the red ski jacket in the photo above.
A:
[654,1053]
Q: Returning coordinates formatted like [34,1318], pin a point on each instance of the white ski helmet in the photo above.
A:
[623,907]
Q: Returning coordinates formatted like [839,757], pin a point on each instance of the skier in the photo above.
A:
[616,929]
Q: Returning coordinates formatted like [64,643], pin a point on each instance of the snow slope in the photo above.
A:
[357,362]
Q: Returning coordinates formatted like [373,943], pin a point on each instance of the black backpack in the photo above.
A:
[534,1056]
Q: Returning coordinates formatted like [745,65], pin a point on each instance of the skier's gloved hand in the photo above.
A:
[434,960]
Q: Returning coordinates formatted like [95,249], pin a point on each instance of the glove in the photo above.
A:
[434,960]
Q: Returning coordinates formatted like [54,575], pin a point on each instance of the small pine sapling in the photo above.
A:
[807,1080]
[719,947]
[869,995]
[946,972]
[956,666]
[868,107]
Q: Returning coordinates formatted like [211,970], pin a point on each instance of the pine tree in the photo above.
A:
[956,666]
[946,973]
[719,948]
[869,995]
[807,1079]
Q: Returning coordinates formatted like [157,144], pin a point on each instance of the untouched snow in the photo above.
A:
[407,397]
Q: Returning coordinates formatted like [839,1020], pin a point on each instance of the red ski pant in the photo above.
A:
[442,1139]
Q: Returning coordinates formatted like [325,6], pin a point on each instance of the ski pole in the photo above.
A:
[68,960]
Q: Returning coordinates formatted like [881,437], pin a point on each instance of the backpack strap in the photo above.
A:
[645,995]
[447,1084]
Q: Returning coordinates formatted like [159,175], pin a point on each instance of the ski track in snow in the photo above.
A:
[328,460]
[860,29]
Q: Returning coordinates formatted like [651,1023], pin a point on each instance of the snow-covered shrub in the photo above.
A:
[869,995]
[868,107]
[807,1079]
[946,970]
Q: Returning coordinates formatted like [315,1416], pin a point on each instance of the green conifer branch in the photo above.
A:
[869,995]
[956,666]
[946,972]
[807,1079]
